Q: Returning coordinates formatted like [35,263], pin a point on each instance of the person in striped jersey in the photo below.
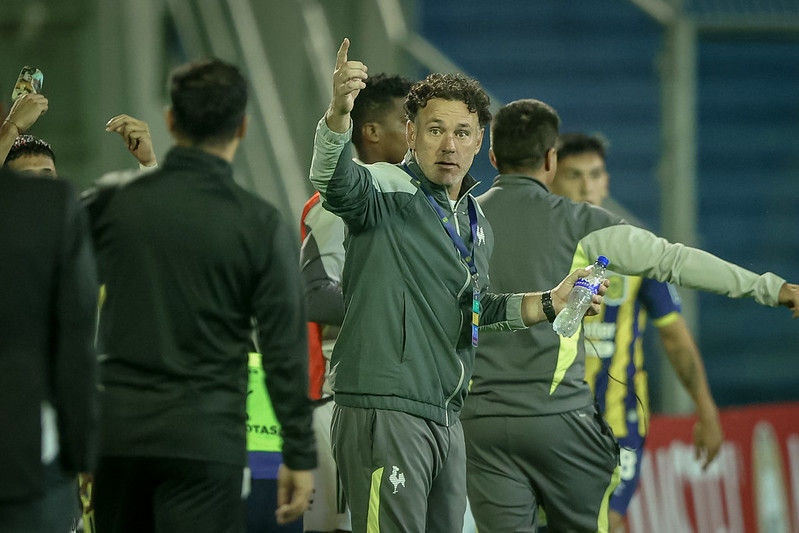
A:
[614,365]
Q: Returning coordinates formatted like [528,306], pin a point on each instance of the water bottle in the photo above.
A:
[569,319]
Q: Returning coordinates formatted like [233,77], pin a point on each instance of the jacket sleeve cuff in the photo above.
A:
[328,146]
[768,289]
[513,312]
[299,451]
[330,137]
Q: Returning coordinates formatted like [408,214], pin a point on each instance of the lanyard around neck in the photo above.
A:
[460,245]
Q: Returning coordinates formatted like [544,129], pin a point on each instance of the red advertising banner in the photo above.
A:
[752,486]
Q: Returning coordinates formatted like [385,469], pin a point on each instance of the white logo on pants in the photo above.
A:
[397,478]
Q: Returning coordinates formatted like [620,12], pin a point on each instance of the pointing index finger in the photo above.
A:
[341,56]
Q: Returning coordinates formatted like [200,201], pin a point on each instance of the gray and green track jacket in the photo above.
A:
[541,237]
[405,343]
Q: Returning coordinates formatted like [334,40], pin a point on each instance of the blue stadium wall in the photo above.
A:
[596,63]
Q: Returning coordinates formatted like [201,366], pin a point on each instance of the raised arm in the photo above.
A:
[638,252]
[136,134]
[24,113]
[354,192]
[348,80]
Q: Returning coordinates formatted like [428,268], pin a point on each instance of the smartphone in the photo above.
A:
[30,80]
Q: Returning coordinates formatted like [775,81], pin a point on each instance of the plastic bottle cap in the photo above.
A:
[602,260]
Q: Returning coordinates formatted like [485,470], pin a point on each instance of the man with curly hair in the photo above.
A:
[414,283]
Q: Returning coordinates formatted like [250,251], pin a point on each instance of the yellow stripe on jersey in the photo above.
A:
[641,379]
[567,353]
[642,388]
[593,363]
[85,488]
[615,409]
[626,353]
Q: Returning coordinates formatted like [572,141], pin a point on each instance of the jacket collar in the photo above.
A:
[189,158]
[519,179]
[438,191]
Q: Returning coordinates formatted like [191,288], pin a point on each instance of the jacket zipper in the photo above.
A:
[462,262]
[456,391]
[460,293]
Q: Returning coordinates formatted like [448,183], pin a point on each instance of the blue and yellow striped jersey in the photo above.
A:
[614,366]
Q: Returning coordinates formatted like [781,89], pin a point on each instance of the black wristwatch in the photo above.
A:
[546,303]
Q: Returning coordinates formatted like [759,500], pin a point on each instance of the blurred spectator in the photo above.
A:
[24,113]
[31,155]
[614,363]
[190,261]
[48,296]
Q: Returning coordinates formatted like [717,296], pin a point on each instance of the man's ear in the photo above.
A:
[551,160]
[241,131]
[371,132]
[169,118]
[492,158]
[480,141]
[410,134]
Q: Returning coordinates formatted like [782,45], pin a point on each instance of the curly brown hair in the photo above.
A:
[449,87]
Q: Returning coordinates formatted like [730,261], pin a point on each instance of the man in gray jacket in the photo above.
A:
[533,434]
[414,286]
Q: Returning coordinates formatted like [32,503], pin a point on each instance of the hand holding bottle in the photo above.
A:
[569,319]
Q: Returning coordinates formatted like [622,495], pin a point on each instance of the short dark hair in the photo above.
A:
[208,100]
[522,133]
[581,143]
[375,100]
[29,145]
[449,87]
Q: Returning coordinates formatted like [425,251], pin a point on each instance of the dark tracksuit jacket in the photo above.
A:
[48,299]
[405,343]
[188,259]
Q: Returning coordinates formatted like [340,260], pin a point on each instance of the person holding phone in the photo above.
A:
[23,114]
[28,106]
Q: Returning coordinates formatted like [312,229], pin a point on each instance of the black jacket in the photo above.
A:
[48,296]
[188,259]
